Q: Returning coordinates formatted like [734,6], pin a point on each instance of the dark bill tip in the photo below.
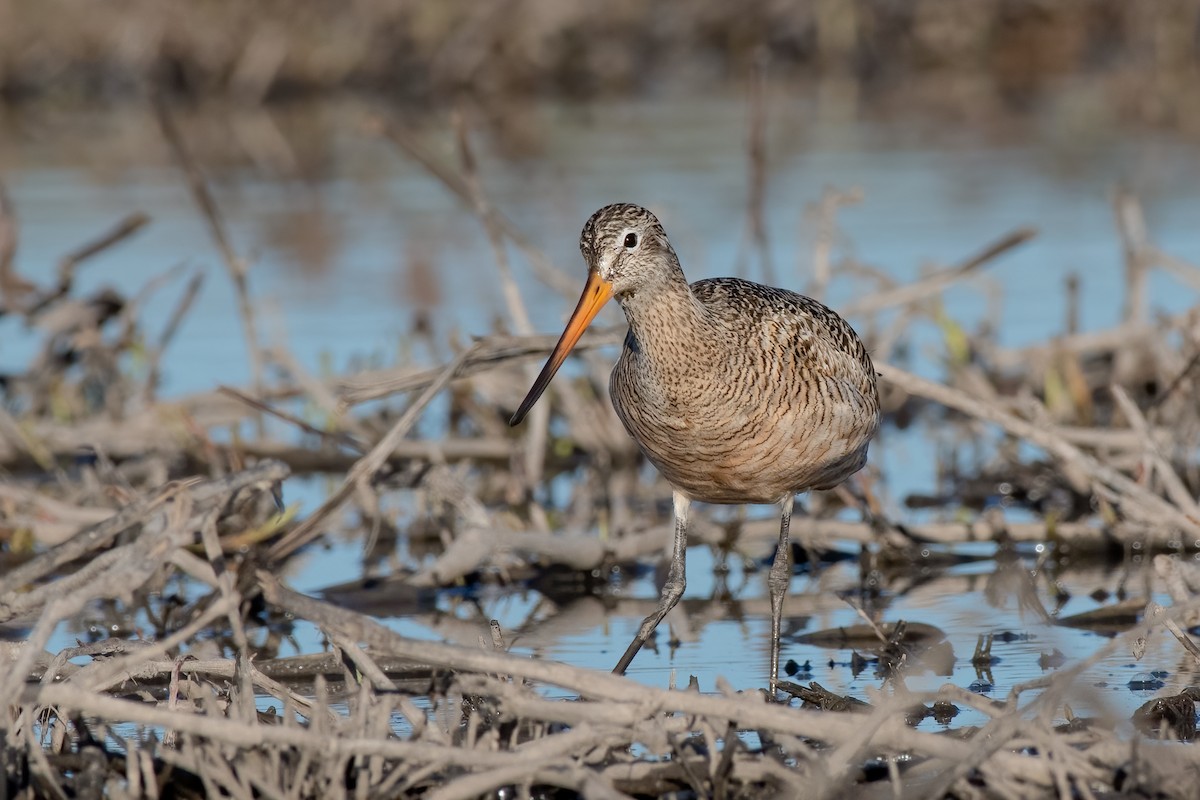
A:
[595,294]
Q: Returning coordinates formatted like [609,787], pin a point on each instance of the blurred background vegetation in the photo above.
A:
[1135,61]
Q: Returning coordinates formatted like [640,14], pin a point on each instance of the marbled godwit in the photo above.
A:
[736,392]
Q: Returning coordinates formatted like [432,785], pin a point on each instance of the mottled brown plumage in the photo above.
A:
[752,395]
[736,392]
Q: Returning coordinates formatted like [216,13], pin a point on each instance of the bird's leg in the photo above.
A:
[672,590]
[778,581]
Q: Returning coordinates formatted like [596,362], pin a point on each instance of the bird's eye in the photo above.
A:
[631,240]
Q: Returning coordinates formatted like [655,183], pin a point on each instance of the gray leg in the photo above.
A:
[672,590]
[778,581]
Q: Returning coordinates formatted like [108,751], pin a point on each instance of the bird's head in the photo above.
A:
[626,251]
[625,246]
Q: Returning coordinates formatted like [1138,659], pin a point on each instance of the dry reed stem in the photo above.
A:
[622,703]
[154,358]
[12,600]
[234,264]
[119,233]
[337,438]
[1175,489]
[1131,224]
[823,215]
[488,353]
[926,287]
[756,168]
[115,574]
[617,720]
[1115,486]
[318,392]
[232,733]
[1156,612]
[588,683]
[265,474]
[537,431]
[368,465]
[11,284]
[543,269]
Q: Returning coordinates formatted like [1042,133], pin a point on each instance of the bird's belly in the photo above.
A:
[731,458]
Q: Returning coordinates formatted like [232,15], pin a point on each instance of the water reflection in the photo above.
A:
[720,630]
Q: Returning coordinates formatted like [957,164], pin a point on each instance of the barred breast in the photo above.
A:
[748,394]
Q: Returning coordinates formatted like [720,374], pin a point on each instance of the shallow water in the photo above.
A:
[352,246]
[721,629]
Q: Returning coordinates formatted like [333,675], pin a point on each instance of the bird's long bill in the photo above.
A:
[595,294]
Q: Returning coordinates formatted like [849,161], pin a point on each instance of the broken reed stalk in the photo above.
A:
[823,216]
[68,265]
[1111,483]
[751,711]
[318,392]
[94,538]
[123,230]
[1175,489]
[154,358]
[369,464]
[489,353]
[930,285]
[756,166]
[336,438]
[537,432]
[97,537]
[543,269]
[112,574]
[1131,225]
[10,282]
[234,264]
[990,750]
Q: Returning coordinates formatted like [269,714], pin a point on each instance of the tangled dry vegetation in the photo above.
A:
[159,523]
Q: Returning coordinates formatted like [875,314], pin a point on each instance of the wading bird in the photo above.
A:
[736,392]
